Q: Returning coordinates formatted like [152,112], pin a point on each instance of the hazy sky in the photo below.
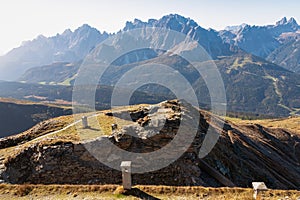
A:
[24,20]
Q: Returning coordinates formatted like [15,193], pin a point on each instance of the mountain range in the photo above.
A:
[66,47]
[268,42]
[258,64]
[276,43]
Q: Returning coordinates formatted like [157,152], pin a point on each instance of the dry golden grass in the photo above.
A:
[292,123]
[116,192]
[65,136]
[27,191]
[99,125]
[38,131]
[27,102]
[18,101]
[106,121]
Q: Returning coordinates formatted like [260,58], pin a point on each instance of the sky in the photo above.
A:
[25,20]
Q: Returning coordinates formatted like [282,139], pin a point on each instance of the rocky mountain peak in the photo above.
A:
[85,28]
[291,23]
[178,18]
[236,28]
[172,21]
[67,32]
[136,24]
[282,21]
[177,22]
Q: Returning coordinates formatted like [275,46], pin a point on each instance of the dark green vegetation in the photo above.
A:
[62,95]
[252,84]
[256,86]
[35,92]
[19,116]
[61,73]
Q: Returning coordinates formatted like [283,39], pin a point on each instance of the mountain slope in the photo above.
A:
[208,39]
[256,86]
[74,46]
[17,116]
[62,94]
[57,73]
[260,40]
[252,84]
[244,152]
[66,47]
[287,56]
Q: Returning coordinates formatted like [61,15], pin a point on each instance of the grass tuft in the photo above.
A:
[23,190]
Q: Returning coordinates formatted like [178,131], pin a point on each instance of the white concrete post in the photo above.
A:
[126,174]
[258,187]
[84,122]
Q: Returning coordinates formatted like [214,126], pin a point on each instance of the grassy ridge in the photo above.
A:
[138,192]
[291,123]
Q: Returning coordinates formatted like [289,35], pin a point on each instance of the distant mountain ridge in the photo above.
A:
[209,39]
[246,34]
[268,42]
[73,46]
[252,83]
[66,47]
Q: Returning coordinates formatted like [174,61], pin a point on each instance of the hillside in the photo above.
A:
[292,123]
[256,86]
[244,152]
[252,84]
[260,40]
[17,116]
[70,46]
[287,55]
[59,73]
[62,94]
